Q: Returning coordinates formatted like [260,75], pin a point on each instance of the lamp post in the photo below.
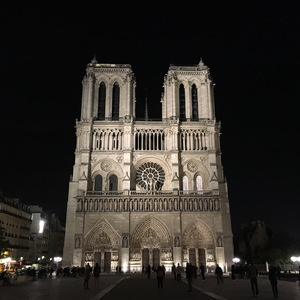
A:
[236,260]
[296,261]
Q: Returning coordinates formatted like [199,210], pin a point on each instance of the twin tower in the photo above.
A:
[147,192]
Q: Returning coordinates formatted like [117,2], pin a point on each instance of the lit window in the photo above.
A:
[199,184]
[42,223]
[185,183]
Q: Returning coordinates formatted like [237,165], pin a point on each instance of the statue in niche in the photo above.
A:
[177,241]
[88,256]
[219,241]
[125,242]
[77,243]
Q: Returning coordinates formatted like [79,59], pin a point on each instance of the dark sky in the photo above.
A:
[252,51]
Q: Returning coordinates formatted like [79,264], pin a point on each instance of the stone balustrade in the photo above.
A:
[120,202]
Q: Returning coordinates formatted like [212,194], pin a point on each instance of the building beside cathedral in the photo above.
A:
[147,192]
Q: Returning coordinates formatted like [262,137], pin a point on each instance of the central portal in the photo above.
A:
[150,257]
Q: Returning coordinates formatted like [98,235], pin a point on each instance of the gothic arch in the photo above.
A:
[199,170]
[102,78]
[117,79]
[197,235]
[102,235]
[151,232]
[194,81]
[103,167]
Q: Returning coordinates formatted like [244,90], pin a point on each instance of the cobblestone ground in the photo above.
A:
[137,286]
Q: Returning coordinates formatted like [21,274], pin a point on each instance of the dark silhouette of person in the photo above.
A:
[189,275]
[178,273]
[233,272]
[219,274]
[96,272]
[202,271]
[86,276]
[148,270]
[160,276]
[252,275]
[174,271]
[273,280]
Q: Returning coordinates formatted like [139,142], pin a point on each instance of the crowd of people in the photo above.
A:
[191,272]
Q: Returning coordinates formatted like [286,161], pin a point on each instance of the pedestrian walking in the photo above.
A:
[96,273]
[273,280]
[164,270]
[189,275]
[219,274]
[233,272]
[51,270]
[160,276]
[252,275]
[148,270]
[86,276]
[202,271]
[174,271]
[178,273]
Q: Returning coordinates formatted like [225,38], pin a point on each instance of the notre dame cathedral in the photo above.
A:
[147,192]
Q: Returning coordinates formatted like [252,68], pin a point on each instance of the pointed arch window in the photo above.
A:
[113,183]
[194,103]
[182,116]
[98,183]
[101,101]
[185,184]
[115,101]
[199,184]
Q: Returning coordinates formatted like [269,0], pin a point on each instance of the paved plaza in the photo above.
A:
[138,286]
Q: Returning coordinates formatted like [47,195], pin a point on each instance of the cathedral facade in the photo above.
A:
[147,192]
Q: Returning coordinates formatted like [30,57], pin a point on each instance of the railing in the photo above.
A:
[136,201]
[152,193]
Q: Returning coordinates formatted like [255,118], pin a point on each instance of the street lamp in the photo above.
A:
[236,260]
[295,258]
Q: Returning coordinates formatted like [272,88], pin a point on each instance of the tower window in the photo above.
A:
[101,100]
[113,183]
[185,184]
[115,102]
[182,103]
[194,103]
[199,184]
[98,183]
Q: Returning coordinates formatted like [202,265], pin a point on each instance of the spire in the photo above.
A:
[146,107]
[94,60]
[201,64]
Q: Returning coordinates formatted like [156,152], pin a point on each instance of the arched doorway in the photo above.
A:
[151,243]
[197,240]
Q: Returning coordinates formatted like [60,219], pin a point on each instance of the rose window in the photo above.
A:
[150,176]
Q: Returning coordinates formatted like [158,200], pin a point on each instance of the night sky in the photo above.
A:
[252,51]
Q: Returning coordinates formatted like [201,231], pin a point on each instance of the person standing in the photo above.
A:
[160,276]
[252,275]
[96,272]
[273,280]
[233,272]
[219,274]
[164,270]
[178,273]
[86,276]
[174,271]
[189,275]
[202,271]
[148,270]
